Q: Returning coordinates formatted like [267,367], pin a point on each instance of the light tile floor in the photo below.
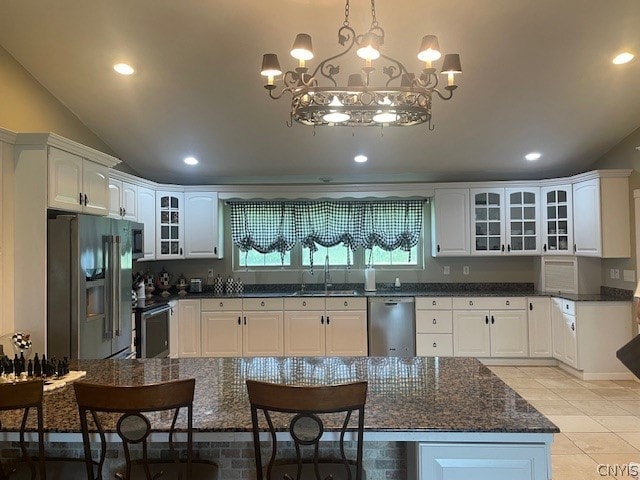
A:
[599,421]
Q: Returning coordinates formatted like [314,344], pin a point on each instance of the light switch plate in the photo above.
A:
[465,270]
[629,275]
[446,270]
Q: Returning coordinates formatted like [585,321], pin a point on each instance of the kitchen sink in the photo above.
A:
[325,293]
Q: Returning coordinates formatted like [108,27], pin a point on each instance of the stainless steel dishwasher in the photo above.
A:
[392,327]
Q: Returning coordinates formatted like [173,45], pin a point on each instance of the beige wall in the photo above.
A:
[623,155]
[26,106]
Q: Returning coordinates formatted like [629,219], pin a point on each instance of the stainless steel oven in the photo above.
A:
[152,332]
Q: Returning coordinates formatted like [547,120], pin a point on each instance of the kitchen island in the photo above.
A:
[454,412]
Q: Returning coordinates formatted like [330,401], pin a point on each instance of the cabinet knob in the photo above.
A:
[346,304]
[438,247]
[262,303]
[433,302]
[573,326]
[434,321]
[508,303]
[470,302]
[221,305]
[530,305]
[304,304]
[435,345]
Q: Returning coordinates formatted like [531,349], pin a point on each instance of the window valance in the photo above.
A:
[277,226]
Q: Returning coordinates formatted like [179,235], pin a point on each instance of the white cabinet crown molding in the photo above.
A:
[7,136]
[67,145]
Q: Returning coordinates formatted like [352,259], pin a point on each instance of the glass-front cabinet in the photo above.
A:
[557,220]
[170,225]
[523,220]
[487,231]
[505,221]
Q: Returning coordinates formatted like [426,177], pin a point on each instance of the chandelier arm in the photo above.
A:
[443,97]
[389,70]
[328,70]
[278,96]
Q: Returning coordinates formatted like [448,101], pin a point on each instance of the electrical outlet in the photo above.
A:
[465,270]
[612,273]
[446,270]
[616,273]
[629,275]
[210,272]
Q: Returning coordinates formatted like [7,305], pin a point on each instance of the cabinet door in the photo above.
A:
[346,333]
[509,336]
[539,316]
[221,334]
[115,198]
[147,216]
[174,329]
[586,218]
[65,180]
[262,334]
[95,188]
[170,225]
[189,328]
[557,329]
[487,231]
[201,225]
[130,201]
[450,222]
[570,340]
[471,337]
[557,220]
[523,221]
[304,333]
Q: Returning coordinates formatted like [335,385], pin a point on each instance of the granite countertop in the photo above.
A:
[419,394]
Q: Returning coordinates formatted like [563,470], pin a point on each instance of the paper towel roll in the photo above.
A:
[370,280]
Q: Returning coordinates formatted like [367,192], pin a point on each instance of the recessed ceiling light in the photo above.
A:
[623,57]
[191,161]
[533,156]
[123,68]
[360,158]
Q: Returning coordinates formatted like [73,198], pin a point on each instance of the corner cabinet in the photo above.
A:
[557,220]
[169,225]
[77,184]
[147,216]
[450,223]
[202,230]
[539,316]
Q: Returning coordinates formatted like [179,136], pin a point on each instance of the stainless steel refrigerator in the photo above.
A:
[88,287]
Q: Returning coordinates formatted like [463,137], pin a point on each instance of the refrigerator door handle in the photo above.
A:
[117,287]
[108,323]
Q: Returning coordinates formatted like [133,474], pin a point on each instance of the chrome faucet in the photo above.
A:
[327,274]
[303,285]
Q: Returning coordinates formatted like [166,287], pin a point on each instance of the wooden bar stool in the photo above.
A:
[26,396]
[304,408]
[123,409]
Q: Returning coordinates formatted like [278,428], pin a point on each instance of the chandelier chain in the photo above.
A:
[346,14]
[374,20]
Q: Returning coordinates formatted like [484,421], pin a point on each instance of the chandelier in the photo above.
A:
[402,98]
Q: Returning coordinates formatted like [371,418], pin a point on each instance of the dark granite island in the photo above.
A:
[455,412]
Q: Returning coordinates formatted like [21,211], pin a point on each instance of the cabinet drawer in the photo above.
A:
[346,303]
[221,304]
[434,303]
[434,345]
[569,307]
[435,321]
[490,303]
[304,303]
[262,303]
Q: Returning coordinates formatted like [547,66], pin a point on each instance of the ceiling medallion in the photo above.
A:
[403,99]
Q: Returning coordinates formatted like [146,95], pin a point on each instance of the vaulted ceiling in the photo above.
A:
[537,76]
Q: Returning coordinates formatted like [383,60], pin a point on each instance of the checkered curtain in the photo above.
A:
[277,226]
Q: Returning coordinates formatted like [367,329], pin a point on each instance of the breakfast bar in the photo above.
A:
[452,412]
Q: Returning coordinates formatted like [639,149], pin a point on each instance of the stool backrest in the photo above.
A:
[122,408]
[25,396]
[305,409]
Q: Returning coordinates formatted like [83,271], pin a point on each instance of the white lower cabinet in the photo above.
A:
[490,327]
[481,461]
[539,315]
[434,327]
[189,328]
[262,334]
[317,327]
[222,334]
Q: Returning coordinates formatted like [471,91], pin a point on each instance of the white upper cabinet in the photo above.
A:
[487,231]
[523,220]
[201,234]
[450,223]
[147,216]
[601,218]
[123,200]
[557,220]
[169,225]
[77,184]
